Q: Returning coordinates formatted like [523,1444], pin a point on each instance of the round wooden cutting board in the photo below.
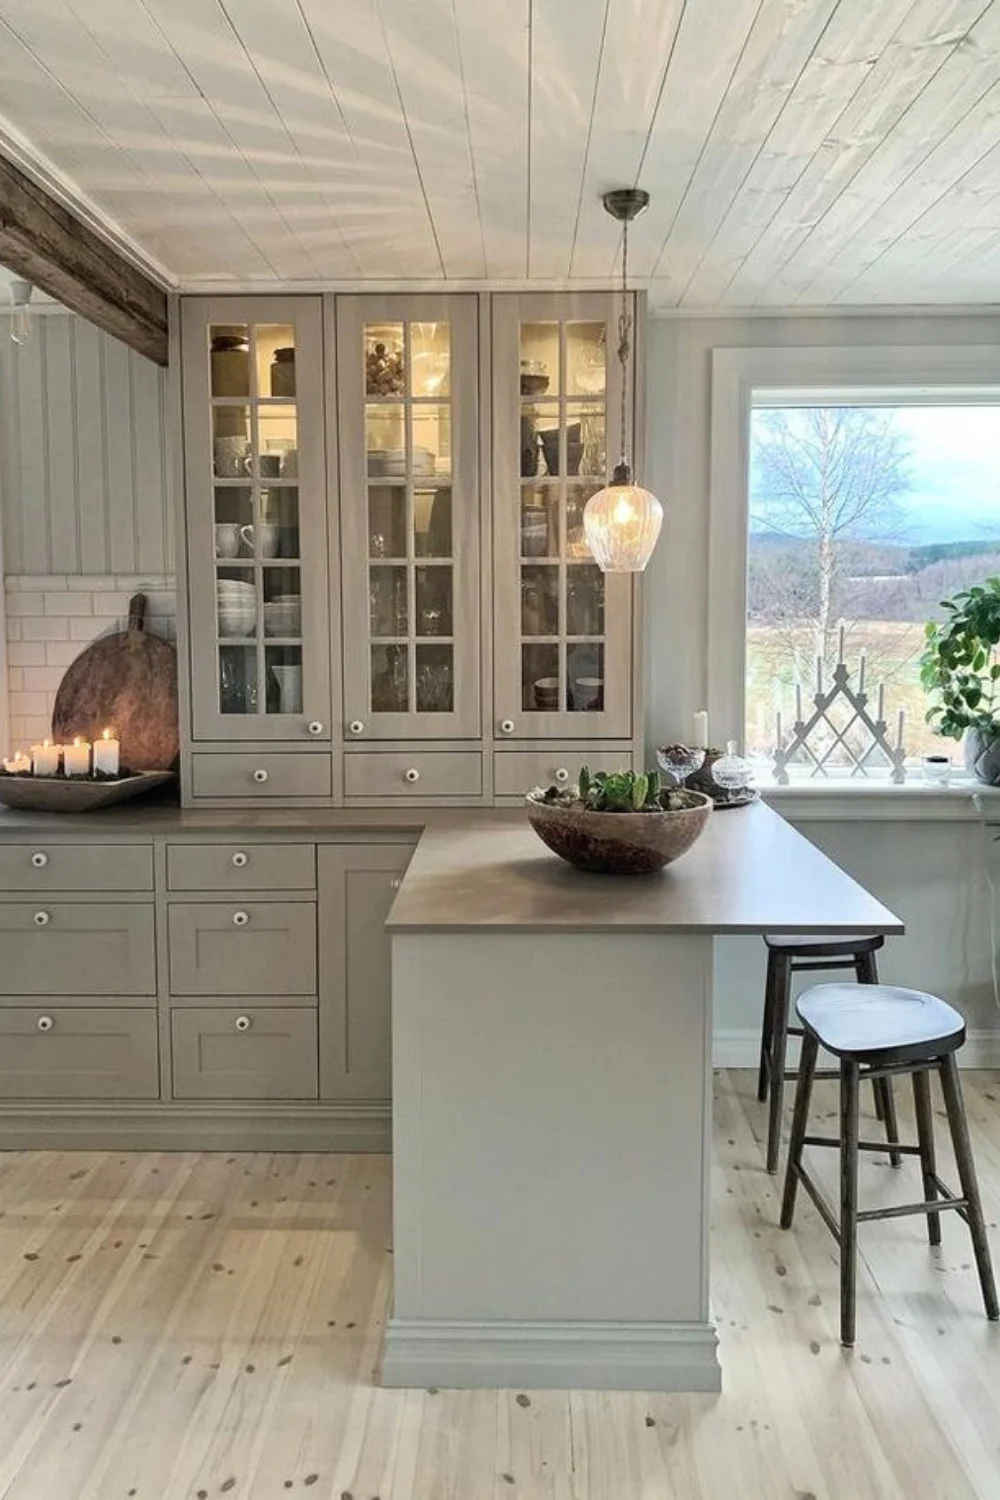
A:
[125,682]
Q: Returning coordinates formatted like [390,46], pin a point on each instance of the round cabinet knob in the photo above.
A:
[315,727]
[507,726]
[242,1023]
[260,775]
[356,726]
[39,860]
[45,1023]
[411,775]
[395,882]
[241,860]
[562,774]
[241,919]
[42,919]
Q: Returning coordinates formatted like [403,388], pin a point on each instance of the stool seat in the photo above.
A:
[880,1021]
[820,945]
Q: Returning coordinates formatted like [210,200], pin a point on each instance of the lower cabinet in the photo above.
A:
[356,886]
[78,1052]
[266,1052]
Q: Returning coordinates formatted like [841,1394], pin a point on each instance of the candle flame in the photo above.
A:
[46,743]
[107,734]
[76,740]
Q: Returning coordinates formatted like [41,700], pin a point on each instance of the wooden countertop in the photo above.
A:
[750,872]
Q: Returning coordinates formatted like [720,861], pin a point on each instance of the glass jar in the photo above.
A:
[283,373]
[229,358]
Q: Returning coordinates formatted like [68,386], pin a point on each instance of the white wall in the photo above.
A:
[931,874]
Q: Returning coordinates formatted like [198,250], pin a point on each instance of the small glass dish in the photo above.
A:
[679,761]
[731,772]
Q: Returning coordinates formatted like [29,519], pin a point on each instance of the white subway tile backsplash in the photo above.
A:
[69,602]
[27,703]
[26,604]
[28,653]
[45,628]
[57,653]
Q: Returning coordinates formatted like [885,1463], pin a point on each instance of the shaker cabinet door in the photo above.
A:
[357,885]
[256,499]
[407,393]
[562,628]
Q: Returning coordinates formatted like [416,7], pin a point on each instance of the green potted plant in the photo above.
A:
[618,823]
[960,669]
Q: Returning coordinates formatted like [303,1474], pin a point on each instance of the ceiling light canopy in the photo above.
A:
[622,521]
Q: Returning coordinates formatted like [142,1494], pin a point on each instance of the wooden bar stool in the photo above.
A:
[879,1032]
[801,954]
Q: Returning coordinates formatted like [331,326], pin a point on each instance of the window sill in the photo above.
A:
[962,800]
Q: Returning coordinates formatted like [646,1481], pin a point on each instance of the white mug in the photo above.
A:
[232,457]
[227,539]
[266,533]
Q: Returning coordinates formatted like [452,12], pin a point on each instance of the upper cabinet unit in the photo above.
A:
[562,629]
[407,388]
[257,515]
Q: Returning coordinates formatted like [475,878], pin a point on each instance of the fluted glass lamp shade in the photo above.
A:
[621,524]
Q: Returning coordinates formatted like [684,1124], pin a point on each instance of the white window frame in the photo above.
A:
[743,378]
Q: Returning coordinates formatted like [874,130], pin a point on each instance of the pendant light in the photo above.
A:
[20,311]
[622,521]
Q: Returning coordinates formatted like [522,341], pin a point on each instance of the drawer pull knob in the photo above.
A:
[562,774]
[45,1023]
[507,726]
[242,1023]
[356,726]
[395,882]
[316,727]
[260,775]
[39,860]
[42,919]
[241,860]
[412,774]
[241,919]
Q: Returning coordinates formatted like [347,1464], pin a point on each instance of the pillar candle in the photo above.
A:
[798,703]
[899,729]
[819,674]
[106,754]
[19,765]
[861,672]
[840,642]
[76,758]
[777,728]
[881,702]
[45,759]
[701,730]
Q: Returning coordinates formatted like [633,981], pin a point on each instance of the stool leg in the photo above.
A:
[925,1140]
[764,1072]
[848,1198]
[866,968]
[781,996]
[953,1103]
[800,1119]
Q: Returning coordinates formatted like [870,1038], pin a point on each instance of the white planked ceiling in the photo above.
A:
[799,153]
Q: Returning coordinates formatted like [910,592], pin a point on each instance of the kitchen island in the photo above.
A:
[552,1098]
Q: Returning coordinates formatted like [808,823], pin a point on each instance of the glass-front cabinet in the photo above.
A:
[256,497]
[562,629]
[407,380]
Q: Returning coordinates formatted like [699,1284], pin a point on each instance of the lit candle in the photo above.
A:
[881,702]
[701,730]
[899,729]
[106,754]
[76,758]
[20,765]
[798,703]
[45,758]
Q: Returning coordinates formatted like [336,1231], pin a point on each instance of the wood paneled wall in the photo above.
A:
[82,454]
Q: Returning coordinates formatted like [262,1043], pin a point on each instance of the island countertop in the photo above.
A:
[750,872]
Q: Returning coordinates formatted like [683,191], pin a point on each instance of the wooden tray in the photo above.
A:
[75,795]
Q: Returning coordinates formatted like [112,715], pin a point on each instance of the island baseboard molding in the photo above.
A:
[542,1355]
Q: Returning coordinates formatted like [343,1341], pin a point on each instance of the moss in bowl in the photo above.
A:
[618,823]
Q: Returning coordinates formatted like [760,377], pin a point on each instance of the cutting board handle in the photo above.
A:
[137,612]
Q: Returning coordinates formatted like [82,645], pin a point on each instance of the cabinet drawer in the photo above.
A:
[254,1053]
[265,775]
[52,1052]
[516,772]
[415,774]
[41,866]
[241,867]
[77,948]
[254,948]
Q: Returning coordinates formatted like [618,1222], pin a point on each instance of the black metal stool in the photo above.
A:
[801,954]
[878,1033]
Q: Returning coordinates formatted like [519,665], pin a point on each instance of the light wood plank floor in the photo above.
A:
[181,1327]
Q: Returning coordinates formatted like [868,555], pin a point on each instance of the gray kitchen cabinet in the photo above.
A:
[241,865]
[357,886]
[97,1052]
[242,947]
[255,1052]
[43,865]
[77,948]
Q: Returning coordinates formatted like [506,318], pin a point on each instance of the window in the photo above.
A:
[862,516]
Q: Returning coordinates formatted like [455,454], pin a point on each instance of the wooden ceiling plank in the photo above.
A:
[781,41]
[385,213]
[43,242]
[637,52]
[844,56]
[892,150]
[903,70]
[422,42]
[494,52]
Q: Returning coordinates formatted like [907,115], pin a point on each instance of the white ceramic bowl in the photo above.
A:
[236,619]
[283,617]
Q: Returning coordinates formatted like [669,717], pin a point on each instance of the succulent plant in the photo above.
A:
[617,792]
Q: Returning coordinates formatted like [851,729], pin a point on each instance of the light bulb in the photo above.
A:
[20,314]
[621,524]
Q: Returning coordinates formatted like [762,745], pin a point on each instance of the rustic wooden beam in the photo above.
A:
[47,245]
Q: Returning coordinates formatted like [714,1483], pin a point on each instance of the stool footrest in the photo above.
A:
[886,1147]
[900,1210]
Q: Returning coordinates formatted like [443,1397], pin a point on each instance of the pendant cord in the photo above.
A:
[624,342]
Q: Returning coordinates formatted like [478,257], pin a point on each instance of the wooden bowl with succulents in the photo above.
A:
[618,823]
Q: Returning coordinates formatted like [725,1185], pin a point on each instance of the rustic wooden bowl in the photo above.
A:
[618,843]
[76,794]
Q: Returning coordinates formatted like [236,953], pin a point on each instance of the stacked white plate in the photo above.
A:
[283,615]
[390,463]
[236,603]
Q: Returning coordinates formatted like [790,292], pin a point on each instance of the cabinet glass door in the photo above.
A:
[563,629]
[408,382]
[257,501]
